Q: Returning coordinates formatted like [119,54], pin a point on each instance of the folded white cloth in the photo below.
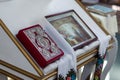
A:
[104,42]
[67,66]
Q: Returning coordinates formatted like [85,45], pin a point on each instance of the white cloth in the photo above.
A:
[66,63]
[104,43]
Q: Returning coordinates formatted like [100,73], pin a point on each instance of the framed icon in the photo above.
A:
[73,29]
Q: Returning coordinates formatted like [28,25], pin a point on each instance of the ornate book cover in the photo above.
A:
[39,44]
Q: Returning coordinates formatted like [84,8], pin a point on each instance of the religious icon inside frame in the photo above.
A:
[72,28]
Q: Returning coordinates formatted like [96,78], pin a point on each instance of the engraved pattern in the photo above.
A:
[42,42]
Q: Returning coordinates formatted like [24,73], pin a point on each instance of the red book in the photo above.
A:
[39,44]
